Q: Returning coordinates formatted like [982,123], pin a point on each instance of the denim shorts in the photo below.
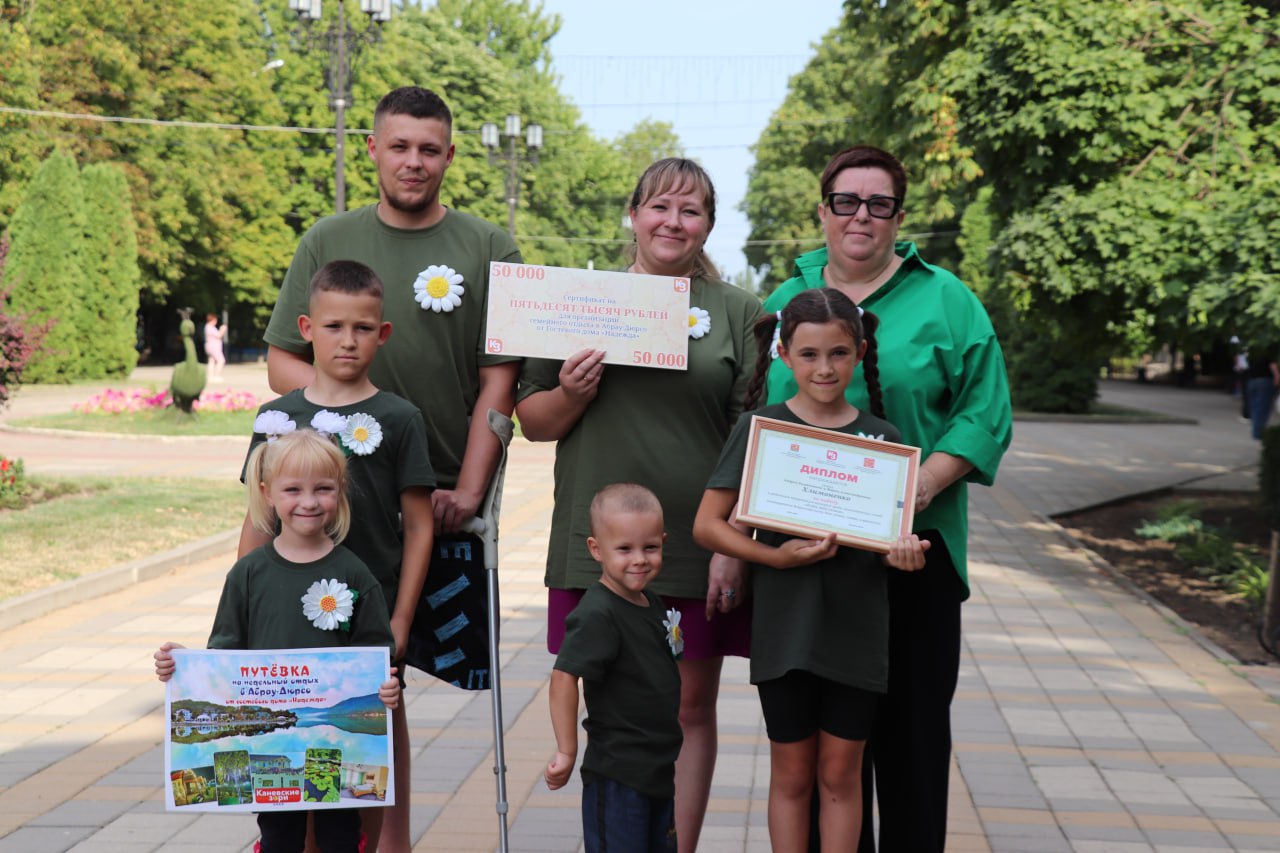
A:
[618,819]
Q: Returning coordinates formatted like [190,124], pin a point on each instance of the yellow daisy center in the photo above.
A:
[360,434]
[693,321]
[676,633]
[438,287]
[328,604]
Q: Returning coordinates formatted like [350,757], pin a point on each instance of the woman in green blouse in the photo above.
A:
[945,388]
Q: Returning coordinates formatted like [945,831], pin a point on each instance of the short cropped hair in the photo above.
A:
[351,277]
[413,101]
[301,453]
[622,497]
[865,157]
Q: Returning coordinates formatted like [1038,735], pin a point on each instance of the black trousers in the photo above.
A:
[337,830]
[909,751]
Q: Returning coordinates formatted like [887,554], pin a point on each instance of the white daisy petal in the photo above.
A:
[699,322]
[675,634]
[328,603]
[438,288]
[362,434]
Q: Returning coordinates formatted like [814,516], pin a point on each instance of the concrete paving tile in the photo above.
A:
[82,813]
[52,839]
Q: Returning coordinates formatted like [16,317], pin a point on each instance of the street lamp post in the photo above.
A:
[489,138]
[343,42]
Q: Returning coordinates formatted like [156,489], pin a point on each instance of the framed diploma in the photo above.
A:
[291,729]
[553,312]
[809,482]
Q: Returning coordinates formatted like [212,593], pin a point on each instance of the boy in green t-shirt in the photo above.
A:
[389,470]
[619,643]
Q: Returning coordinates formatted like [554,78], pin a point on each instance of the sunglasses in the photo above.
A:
[878,206]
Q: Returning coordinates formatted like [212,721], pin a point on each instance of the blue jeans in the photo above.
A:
[618,819]
[1261,393]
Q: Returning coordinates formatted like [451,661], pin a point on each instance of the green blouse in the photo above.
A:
[941,371]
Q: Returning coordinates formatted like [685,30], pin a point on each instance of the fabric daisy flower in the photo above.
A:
[273,424]
[777,337]
[328,604]
[362,434]
[699,322]
[438,288]
[675,634]
[879,437]
[326,422]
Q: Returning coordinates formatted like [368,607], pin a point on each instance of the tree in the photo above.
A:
[647,142]
[1121,156]
[43,271]
[110,262]
[19,339]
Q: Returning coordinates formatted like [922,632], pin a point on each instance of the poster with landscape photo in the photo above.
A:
[252,731]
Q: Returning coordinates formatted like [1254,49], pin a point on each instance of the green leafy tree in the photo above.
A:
[647,142]
[1111,167]
[43,272]
[210,217]
[111,276]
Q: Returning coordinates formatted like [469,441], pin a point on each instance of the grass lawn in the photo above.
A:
[149,422]
[102,523]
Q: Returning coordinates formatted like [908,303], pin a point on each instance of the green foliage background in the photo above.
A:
[217,212]
[1104,174]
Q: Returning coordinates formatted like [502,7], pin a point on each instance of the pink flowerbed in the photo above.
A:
[115,402]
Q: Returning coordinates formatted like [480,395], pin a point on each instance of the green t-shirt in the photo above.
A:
[631,685]
[829,618]
[261,604]
[376,480]
[941,371]
[431,359]
[660,428]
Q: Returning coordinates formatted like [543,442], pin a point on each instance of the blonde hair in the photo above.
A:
[303,452]
[676,173]
[622,497]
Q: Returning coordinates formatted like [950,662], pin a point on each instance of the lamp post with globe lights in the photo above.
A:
[344,43]
[503,147]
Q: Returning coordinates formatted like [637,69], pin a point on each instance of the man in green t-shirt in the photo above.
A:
[433,262]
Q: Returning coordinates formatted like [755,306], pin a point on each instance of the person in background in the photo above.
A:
[1261,380]
[214,336]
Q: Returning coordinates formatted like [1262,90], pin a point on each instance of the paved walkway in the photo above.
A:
[1086,720]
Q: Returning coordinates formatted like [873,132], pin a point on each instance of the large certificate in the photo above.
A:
[553,312]
[254,731]
[810,482]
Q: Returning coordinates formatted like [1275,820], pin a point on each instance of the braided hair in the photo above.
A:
[818,305]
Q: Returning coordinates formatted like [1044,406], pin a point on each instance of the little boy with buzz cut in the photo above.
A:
[390,474]
[623,643]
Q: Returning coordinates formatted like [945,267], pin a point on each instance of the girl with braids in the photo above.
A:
[820,627]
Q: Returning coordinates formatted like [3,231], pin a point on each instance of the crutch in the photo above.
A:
[485,525]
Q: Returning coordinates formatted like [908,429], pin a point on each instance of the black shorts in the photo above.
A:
[799,704]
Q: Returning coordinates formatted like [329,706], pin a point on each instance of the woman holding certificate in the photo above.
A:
[662,429]
[945,389]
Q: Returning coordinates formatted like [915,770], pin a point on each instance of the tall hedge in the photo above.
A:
[112,278]
[44,271]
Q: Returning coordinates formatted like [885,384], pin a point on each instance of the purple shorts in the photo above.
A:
[726,633]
